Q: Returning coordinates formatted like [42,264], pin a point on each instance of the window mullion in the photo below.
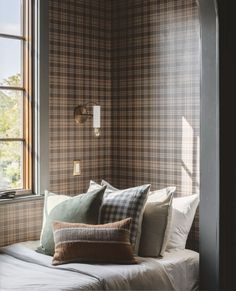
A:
[12,88]
[11,36]
[6,139]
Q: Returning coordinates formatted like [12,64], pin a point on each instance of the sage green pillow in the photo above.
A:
[83,208]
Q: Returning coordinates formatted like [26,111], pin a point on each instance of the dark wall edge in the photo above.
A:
[227,81]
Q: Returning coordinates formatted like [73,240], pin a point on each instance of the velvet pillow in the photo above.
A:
[82,208]
[107,243]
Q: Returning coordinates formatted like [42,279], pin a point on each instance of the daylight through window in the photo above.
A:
[15,95]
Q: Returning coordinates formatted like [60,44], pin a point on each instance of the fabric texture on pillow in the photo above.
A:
[160,196]
[157,196]
[183,212]
[154,226]
[109,186]
[95,186]
[125,203]
[107,243]
[82,208]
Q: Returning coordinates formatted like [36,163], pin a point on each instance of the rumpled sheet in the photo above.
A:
[21,268]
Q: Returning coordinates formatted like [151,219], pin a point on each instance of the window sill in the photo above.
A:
[22,198]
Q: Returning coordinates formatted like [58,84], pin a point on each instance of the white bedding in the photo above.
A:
[21,268]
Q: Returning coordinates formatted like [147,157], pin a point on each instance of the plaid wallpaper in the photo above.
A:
[156,95]
[20,221]
[140,61]
[79,72]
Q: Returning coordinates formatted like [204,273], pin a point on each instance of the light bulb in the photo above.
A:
[97,131]
[96,120]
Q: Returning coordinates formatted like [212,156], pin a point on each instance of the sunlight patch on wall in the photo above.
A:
[187,157]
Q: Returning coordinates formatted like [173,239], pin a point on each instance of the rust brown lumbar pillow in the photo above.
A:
[103,243]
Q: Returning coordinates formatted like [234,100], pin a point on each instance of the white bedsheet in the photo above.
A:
[21,268]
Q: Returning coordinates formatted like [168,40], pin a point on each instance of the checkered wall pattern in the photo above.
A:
[140,60]
[79,72]
[20,221]
[156,95]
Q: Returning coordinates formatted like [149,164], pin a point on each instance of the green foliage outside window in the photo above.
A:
[11,106]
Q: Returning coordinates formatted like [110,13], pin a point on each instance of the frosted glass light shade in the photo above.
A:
[96,116]
[96,120]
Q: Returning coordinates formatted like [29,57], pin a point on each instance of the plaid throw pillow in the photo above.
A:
[122,204]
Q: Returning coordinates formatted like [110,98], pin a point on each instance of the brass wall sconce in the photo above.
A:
[82,113]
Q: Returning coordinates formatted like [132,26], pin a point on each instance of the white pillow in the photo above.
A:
[183,212]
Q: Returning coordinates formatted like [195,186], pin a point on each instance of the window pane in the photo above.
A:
[11,114]
[11,165]
[10,62]
[10,17]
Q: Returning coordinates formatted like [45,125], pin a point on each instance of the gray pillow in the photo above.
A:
[160,212]
[120,204]
[154,225]
[83,208]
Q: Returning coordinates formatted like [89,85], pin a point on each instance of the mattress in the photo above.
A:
[22,268]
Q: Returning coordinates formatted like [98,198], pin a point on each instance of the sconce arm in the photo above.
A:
[81,112]
[90,103]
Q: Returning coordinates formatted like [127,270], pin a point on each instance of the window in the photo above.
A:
[15,95]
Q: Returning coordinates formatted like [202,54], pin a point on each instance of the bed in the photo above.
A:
[21,268]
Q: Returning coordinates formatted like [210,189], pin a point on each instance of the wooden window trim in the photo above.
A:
[27,89]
